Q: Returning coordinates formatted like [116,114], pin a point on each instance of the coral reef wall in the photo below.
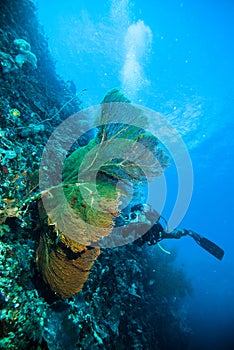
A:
[134,295]
[33,99]
[31,87]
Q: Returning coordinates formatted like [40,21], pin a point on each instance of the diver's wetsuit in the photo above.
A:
[157,233]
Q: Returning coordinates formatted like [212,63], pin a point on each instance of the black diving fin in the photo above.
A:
[206,244]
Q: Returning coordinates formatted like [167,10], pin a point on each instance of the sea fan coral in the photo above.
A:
[82,209]
[65,266]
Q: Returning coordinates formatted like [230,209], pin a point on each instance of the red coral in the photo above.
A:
[5,170]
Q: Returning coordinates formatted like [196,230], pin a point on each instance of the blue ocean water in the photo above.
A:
[175,57]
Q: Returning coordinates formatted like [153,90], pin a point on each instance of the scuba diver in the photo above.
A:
[157,233]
